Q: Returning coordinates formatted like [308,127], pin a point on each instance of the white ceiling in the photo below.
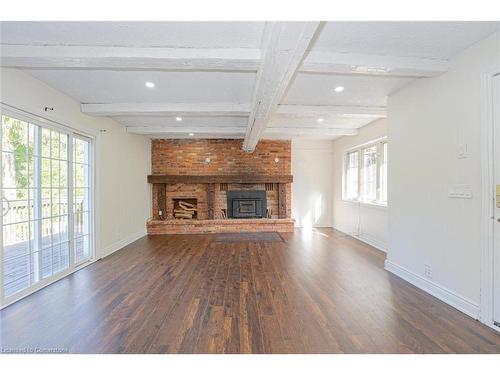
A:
[236,79]
[108,86]
[135,34]
[359,90]
[433,40]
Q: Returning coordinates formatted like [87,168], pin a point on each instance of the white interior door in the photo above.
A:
[496,162]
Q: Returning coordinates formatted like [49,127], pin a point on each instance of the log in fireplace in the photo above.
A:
[246,204]
[185,208]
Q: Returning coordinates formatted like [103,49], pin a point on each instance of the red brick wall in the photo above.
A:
[187,156]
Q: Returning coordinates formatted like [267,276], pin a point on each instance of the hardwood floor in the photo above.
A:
[314,292]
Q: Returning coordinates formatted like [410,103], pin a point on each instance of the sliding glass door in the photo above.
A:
[46,204]
[82,198]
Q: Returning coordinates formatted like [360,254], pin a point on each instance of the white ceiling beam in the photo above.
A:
[310,131]
[167,109]
[160,132]
[301,111]
[229,132]
[196,136]
[102,57]
[351,63]
[233,130]
[284,45]
[184,130]
[312,123]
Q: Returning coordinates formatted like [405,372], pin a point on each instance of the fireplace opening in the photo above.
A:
[246,204]
[185,208]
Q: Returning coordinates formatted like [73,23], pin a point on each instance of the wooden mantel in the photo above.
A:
[226,179]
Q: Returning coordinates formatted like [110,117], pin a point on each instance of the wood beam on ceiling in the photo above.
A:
[172,109]
[184,130]
[217,132]
[210,179]
[116,58]
[196,136]
[303,111]
[319,131]
[379,65]
[284,45]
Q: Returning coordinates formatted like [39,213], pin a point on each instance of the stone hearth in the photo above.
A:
[176,226]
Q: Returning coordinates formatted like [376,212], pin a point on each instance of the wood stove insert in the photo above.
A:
[246,204]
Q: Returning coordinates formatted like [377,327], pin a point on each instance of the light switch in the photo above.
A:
[462,151]
[463,191]
[498,196]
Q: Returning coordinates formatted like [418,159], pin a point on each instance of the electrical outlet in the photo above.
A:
[428,271]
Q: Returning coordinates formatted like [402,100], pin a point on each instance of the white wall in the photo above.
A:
[122,161]
[312,169]
[427,120]
[365,221]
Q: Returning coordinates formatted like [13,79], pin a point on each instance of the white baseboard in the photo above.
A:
[108,250]
[369,240]
[316,225]
[460,303]
[372,242]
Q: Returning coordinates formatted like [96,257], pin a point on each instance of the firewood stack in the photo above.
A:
[185,210]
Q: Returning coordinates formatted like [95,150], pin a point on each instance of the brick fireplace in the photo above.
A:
[226,189]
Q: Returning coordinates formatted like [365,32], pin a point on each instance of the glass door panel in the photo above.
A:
[18,216]
[82,196]
[37,238]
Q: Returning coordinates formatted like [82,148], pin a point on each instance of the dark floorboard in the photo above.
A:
[313,292]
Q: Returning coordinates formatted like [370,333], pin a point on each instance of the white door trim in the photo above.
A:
[487,199]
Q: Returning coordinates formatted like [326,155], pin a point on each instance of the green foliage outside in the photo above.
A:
[18,137]
[15,139]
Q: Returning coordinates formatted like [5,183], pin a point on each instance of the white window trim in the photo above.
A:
[379,142]
[72,133]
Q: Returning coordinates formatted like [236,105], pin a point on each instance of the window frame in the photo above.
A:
[6,110]
[347,166]
[380,159]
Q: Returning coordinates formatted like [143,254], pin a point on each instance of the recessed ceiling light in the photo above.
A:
[178,119]
[191,134]
[320,120]
[150,84]
[339,89]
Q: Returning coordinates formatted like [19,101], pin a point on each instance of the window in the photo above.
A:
[383,174]
[365,173]
[43,233]
[369,174]
[352,174]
